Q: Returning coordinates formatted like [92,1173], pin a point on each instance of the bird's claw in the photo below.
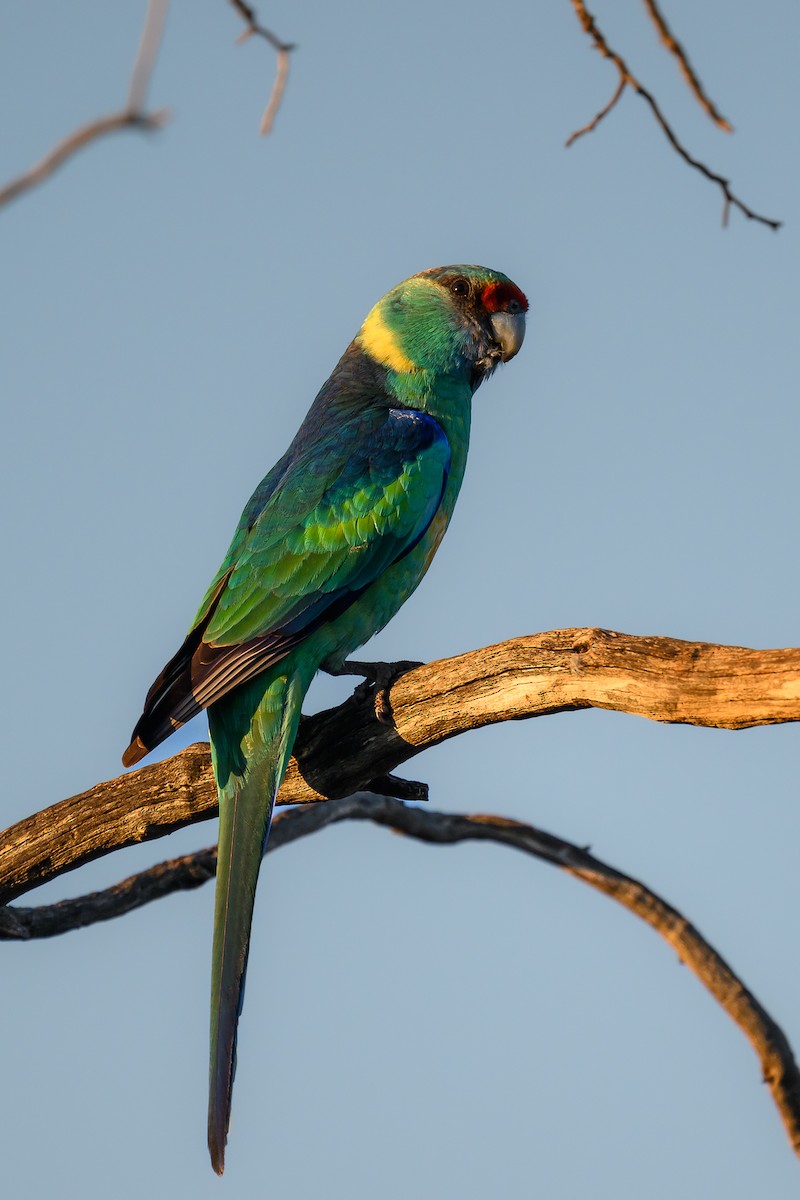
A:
[378,676]
[397,788]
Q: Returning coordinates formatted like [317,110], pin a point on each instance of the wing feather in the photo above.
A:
[338,517]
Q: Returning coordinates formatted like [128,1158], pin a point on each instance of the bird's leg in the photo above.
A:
[381,676]
[377,675]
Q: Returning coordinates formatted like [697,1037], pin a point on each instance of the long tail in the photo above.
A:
[252,734]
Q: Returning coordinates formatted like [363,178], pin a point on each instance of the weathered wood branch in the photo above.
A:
[778,1065]
[342,750]
[347,749]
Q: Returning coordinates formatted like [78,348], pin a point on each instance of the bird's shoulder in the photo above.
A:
[384,462]
[337,457]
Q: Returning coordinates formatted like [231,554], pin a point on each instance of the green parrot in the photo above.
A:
[331,543]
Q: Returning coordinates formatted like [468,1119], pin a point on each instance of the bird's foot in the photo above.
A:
[378,676]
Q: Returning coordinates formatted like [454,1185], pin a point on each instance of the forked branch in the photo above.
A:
[341,751]
[132,116]
[282,50]
[348,748]
[778,1065]
[628,79]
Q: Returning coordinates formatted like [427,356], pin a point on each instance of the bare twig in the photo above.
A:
[192,870]
[628,79]
[132,116]
[282,49]
[590,126]
[149,43]
[676,49]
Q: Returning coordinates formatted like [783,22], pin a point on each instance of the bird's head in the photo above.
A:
[459,321]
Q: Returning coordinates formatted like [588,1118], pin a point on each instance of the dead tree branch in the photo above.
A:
[133,116]
[192,870]
[340,751]
[686,69]
[628,79]
[282,49]
[349,749]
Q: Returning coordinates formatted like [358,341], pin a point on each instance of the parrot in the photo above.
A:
[332,542]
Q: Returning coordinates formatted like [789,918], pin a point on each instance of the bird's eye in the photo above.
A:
[514,306]
[459,287]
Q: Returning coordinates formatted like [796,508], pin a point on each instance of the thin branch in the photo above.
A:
[590,126]
[628,79]
[686,69]
[75,141]
[132,116]
[282,49]
[192,870]
[146,55]
[343,750]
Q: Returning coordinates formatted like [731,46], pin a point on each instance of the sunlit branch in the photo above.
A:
[778,1065]
[686,69]
[628,79]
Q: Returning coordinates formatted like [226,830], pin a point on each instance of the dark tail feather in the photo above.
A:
[169,703]
[199,675]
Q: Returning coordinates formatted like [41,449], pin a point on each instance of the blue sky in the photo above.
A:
[419,1021]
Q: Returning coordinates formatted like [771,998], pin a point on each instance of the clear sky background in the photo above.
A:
[436,1022]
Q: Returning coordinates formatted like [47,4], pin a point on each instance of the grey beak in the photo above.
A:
[509,330]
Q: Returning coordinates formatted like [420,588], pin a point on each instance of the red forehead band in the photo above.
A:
[496,296]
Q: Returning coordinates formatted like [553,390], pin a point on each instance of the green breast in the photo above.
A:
[334,641]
